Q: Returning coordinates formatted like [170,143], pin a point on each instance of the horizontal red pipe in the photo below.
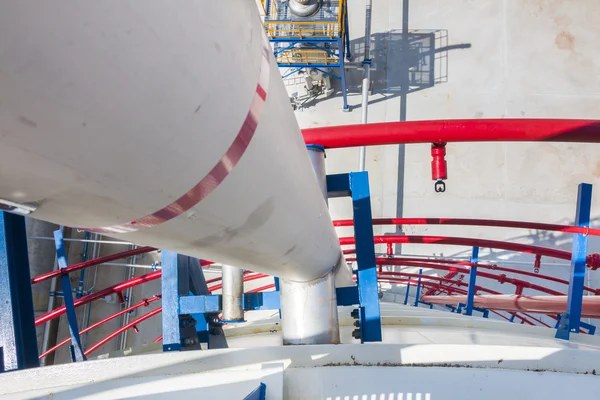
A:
[459,130]
[262,288]
[91,263]
[99,294]
[144,302]
[551,305]
[496,268]
[246,279]
[123,329]
[500,278]
[436,278]
[460,241]
[476,222]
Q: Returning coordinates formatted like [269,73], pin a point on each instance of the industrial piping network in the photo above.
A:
[250,144]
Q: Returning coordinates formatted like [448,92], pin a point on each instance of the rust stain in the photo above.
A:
[565,41]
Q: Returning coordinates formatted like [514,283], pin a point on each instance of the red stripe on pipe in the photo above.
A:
[477,222]
[465,130]
[91,263]
[218,173]
[123,329]
[99,294]
[459,241]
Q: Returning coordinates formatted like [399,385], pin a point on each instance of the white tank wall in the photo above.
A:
[507,59]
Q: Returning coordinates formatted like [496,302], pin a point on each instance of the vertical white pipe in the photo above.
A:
[233,291]
[309,309]
[366,81]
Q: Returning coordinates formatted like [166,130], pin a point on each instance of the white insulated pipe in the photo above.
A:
[163,124]
[232,293]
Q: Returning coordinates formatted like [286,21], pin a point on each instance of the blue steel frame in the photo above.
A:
[342,54]
[18,340]
[418,294]
[570,321]
[356,185]
[61,258]
[472,281]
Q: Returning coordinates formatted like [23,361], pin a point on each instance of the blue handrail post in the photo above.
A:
[472,280]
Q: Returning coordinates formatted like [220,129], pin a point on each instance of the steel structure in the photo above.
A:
[316,42]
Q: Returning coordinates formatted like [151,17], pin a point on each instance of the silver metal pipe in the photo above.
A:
[366,81]
[309,311]
[129,295]
[233,292]
[46,338]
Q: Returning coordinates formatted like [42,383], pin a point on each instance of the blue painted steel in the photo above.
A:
[170,302]
[61,258]
[338,186]
[292,72]
[472,280]
[261,301]
[316,147]
[200,304]
[590,328]
[259,393]
[18,341]
[512,318]
[366,276]
[347,296]
[82,273]
[276,279]
[572,319]
[406,294]
[418,289]
[347,34]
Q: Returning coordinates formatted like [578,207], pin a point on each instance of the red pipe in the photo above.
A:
[262,288]
[465,130]
[91,263]
[144,302]
[246,279]
[158,339]
[476,222]
[537,304]
[495,268]
[460,241]
[123,329]
[99,294]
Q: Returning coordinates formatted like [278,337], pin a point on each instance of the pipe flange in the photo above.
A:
[304,8]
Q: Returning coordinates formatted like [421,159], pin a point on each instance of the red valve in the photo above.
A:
[389,250]
[537,263]
[593,261]
[439,172]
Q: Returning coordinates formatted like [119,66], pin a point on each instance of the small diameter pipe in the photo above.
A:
[100,294]
[366,82]
[480,130]
[477,222]
[232,293]
[142,303]
[122,329]
[460,241]
[91,263]
[158,339]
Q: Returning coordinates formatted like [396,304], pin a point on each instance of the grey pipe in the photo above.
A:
[366,81]
[233,292]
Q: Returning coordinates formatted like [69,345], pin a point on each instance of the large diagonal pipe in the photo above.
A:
[162,124]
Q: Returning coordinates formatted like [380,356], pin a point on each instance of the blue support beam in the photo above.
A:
[571,319]
[472,281]
[406,294]
[18,340]
[170,302]
[259,393]
[418,289]
[61,258]
[366,276]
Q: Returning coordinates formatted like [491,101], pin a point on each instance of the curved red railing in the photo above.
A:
[459,130]
[143,303]
[91,263]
